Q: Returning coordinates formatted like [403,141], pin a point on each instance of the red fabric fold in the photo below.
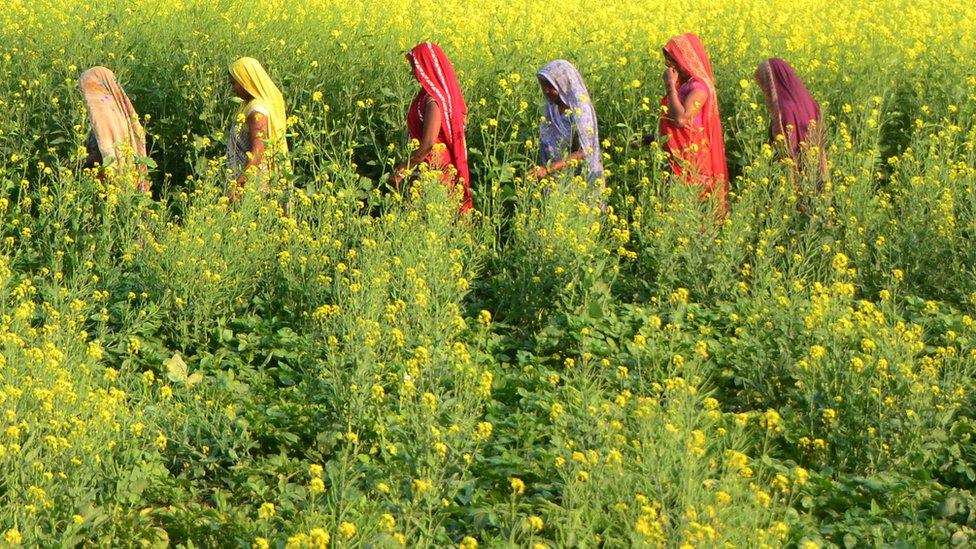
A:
[438,81]
[697,153]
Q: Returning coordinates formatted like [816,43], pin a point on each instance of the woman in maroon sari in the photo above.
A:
[691,124]
[794,117]
[436,119]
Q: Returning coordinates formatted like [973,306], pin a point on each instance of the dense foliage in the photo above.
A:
[369,371]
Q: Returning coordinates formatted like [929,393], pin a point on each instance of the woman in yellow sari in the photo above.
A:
[257,134]
[117,140]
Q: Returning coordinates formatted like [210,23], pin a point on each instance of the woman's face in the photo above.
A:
[762,80]
[411,63]
[237,88]
[670,62]
[550,92]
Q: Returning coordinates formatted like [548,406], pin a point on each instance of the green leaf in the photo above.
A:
[595,310]
[146,161]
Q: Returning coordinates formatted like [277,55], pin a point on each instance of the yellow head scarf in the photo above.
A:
[249,73]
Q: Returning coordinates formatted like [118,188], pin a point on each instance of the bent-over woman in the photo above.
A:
[436,119]
[795,124]
[568,134]
[117,139]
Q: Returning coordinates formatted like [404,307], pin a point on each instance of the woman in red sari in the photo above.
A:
[437,116]
[691,123]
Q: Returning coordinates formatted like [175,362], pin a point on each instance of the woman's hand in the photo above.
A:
[236,188]
[398,175]
[537,174]
[670,77]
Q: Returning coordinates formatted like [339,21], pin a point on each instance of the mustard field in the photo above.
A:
[334,362]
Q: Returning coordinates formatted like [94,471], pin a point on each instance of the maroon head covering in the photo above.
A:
[792,109]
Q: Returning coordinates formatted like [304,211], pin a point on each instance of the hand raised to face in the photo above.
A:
[670,77]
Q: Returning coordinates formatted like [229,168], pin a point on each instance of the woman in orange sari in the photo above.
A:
[691,122]
[437,119]
[117,139]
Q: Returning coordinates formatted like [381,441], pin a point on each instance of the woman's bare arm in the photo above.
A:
[432,127]
[683,114]
[577,155]
[257,125]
